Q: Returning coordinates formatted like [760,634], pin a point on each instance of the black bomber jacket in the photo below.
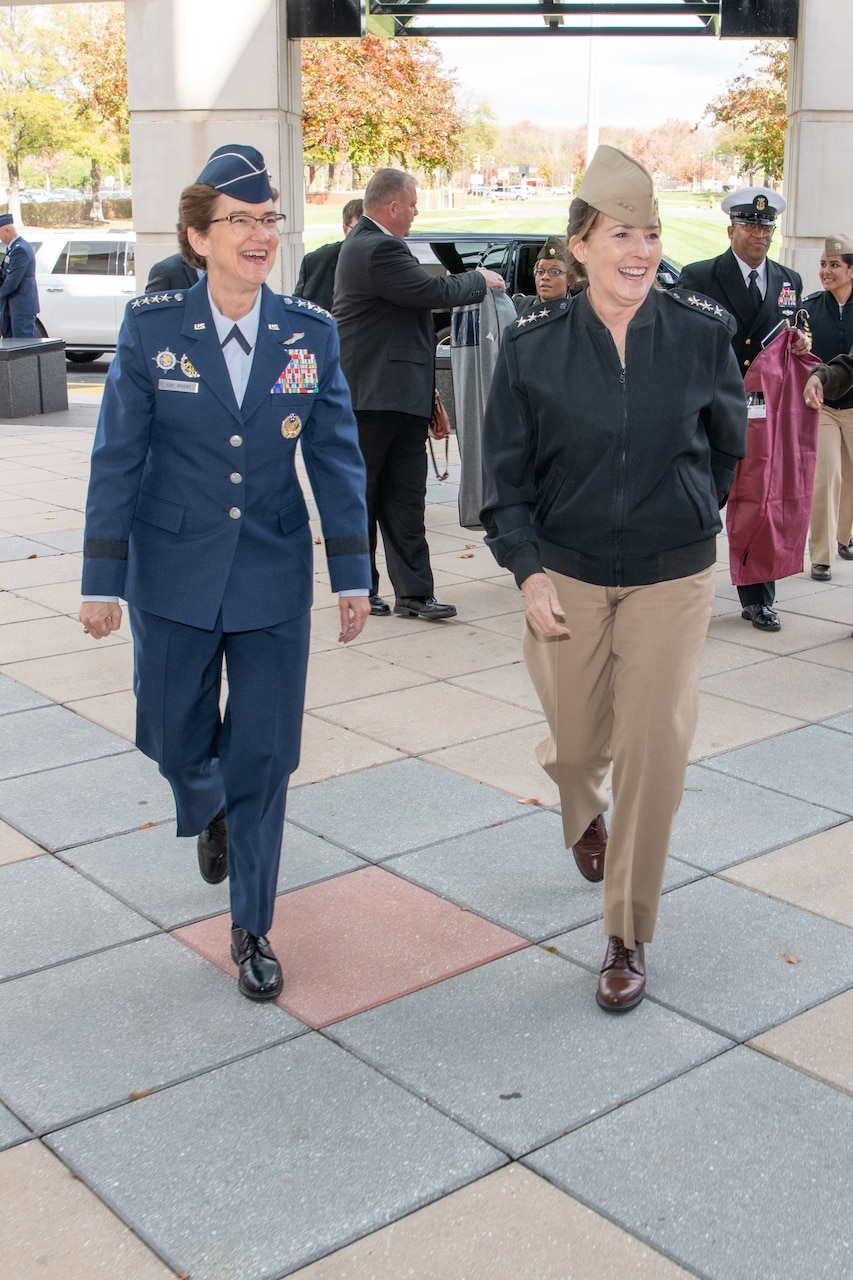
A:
[613,476]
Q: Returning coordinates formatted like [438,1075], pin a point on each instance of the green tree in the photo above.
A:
[98,57]
[33,121]
[376,101]
[755,105]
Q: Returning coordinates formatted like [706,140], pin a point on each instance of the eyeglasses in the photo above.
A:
[554,272]
[242,224]
[755,229]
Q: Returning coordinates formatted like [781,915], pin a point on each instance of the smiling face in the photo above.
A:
[621,263]
[236,260]
[836,276]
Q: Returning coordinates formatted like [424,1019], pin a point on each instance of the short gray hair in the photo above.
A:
[385,186]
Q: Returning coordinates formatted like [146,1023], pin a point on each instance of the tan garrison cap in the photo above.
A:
[621,187]
[838,244]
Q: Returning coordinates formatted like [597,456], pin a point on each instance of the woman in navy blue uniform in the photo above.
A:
[829,314]
[195,516]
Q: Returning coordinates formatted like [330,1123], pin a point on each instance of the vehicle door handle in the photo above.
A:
[55,288]
[131,292]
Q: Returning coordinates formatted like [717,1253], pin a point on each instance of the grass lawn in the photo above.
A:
[691,230]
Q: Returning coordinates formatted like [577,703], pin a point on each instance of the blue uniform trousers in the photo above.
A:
[240,762]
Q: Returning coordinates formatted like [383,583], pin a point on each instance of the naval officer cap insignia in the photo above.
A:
[291,426]
[238,171]
[757,205]
[621,187]
[838,244]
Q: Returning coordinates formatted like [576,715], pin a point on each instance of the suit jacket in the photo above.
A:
[194,504]
[173,272]
[383,305]
[18,291]
[721,279]
[317,275]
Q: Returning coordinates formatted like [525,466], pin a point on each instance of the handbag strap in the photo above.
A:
[440,476]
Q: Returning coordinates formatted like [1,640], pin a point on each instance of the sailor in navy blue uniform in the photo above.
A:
[195,516]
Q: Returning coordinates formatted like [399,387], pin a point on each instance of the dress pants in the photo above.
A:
[240,762]
[394,449]
[758,593]
[832,509]
[15,326]
[623,690]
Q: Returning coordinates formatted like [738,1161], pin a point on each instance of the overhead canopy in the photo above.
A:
[758,19]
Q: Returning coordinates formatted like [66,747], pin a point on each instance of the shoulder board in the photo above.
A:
[543,311]
[302,304]
[697,302]
[157,300]
[818,293]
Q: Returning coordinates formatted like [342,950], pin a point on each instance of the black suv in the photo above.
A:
[513,256]
[441,252]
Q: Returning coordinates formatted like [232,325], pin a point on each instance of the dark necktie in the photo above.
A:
[754,293]
[239,337]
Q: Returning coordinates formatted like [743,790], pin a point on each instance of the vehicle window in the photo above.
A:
[498,258]
[87,258]
[129,261]
[527,255]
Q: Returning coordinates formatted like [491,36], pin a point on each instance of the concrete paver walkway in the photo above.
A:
[436,1095]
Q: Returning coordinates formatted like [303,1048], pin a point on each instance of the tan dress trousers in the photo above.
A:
[832,508]
[623,690]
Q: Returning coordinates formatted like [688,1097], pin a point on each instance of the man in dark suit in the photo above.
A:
[762,296]
[19,299]
[317,273]
[383,305]
[173,272]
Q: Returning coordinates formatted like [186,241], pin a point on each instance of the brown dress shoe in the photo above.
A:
[590,850]
[622,981]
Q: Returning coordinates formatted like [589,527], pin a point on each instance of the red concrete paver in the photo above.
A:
[360,940]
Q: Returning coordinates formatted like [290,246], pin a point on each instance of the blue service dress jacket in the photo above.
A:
[194,506]
[18,291]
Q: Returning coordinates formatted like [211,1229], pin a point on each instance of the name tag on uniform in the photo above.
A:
[172,384]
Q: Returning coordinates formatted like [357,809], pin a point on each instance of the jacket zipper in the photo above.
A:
[620,501]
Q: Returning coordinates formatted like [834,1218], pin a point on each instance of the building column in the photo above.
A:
[818,175]
[202,73]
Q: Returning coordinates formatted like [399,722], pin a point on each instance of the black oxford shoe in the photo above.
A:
[213,851]
[590,849]
[378,607]
[762,616]
[821,573]
[846,553]
[622,981]
[427,608]
[260,972]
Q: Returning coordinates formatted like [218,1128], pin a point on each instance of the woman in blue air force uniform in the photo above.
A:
[195,516]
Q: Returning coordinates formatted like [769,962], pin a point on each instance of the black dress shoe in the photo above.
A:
[590,850]
[821,573]
[378,606]
[622,980]
[846,553]
[260,972]
[427,608]
[762,616]
[213,851]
